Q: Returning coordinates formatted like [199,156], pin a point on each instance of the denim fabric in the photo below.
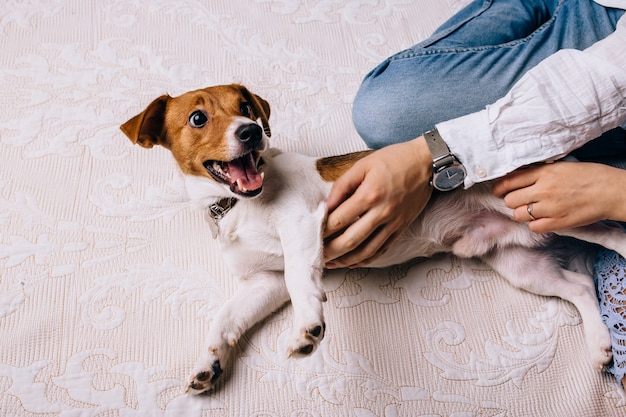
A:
[471,61]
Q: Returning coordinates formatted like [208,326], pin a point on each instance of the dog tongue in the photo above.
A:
[244,175]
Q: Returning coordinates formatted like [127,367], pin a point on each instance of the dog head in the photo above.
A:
[217,133]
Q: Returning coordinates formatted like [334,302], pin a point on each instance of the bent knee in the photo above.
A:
[390,109]
[383,118]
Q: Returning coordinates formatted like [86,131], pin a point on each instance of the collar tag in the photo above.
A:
[216,212]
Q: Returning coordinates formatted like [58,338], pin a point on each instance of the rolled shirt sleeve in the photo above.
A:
[567,100]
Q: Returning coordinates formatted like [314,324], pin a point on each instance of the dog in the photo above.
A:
[267,210]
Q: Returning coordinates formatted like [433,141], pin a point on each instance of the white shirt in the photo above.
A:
[562,103]
[617,4]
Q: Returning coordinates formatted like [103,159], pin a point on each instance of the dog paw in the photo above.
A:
[601,352]
[307,340]
[206,377]
[602,357]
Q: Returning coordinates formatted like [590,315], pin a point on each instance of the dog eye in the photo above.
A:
[245,109]
[198,119]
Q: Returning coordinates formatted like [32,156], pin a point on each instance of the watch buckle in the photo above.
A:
[443,161]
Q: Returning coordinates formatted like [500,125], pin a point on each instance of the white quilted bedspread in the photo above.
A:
[109,279]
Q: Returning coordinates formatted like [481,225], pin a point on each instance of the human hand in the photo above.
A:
[375,200]
[564,194]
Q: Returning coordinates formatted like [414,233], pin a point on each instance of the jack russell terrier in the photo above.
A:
[267,210]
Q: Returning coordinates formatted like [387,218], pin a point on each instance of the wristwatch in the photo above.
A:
[448,172]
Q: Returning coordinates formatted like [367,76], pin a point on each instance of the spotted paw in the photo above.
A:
[307,341]
[204,381]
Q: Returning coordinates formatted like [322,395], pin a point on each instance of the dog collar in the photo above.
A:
[216,212]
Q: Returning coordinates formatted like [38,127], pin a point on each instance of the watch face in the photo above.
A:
[449,178]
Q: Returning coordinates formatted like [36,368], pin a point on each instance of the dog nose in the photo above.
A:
[250,134]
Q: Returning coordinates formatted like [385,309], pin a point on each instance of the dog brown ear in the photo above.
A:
[265,115]
[147,128]
[260,107]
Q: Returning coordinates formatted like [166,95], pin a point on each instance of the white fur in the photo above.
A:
[281,230]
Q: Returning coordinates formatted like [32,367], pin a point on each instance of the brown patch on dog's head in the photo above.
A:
[200,127]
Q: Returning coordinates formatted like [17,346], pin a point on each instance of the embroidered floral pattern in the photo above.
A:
[109,279]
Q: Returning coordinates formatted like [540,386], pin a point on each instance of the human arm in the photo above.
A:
[564,102]
[561,104]
[565,194]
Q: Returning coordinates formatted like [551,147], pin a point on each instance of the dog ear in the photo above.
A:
[147,128]
[265,115]
[260,107]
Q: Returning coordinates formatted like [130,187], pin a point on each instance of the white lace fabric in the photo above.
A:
[610,276]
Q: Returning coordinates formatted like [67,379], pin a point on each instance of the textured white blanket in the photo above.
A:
[109,279]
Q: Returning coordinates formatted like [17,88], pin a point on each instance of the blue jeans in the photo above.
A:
[472,60]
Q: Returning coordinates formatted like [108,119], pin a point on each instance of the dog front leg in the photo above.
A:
[302,247]
[256,298]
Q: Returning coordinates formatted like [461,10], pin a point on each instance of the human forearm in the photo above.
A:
[567,100]
[616,195]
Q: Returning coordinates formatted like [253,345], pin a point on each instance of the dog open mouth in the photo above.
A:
[241,174]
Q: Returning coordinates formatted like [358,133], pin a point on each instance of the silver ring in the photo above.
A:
[529,209]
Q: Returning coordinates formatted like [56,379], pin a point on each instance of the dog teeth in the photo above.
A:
[218,168]
[240,186]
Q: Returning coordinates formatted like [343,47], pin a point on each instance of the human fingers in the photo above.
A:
[340,218]
[360,244]
[568,194]
[547,216]
[351,238]
[345,186]
[343,203]
[370,236]
[528,212]
[514,181]
[519,199]
[378,248]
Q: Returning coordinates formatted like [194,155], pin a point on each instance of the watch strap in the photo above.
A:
[438,149]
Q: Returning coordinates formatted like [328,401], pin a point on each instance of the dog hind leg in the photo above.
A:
[608,234]
[536,272]
[488,230]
